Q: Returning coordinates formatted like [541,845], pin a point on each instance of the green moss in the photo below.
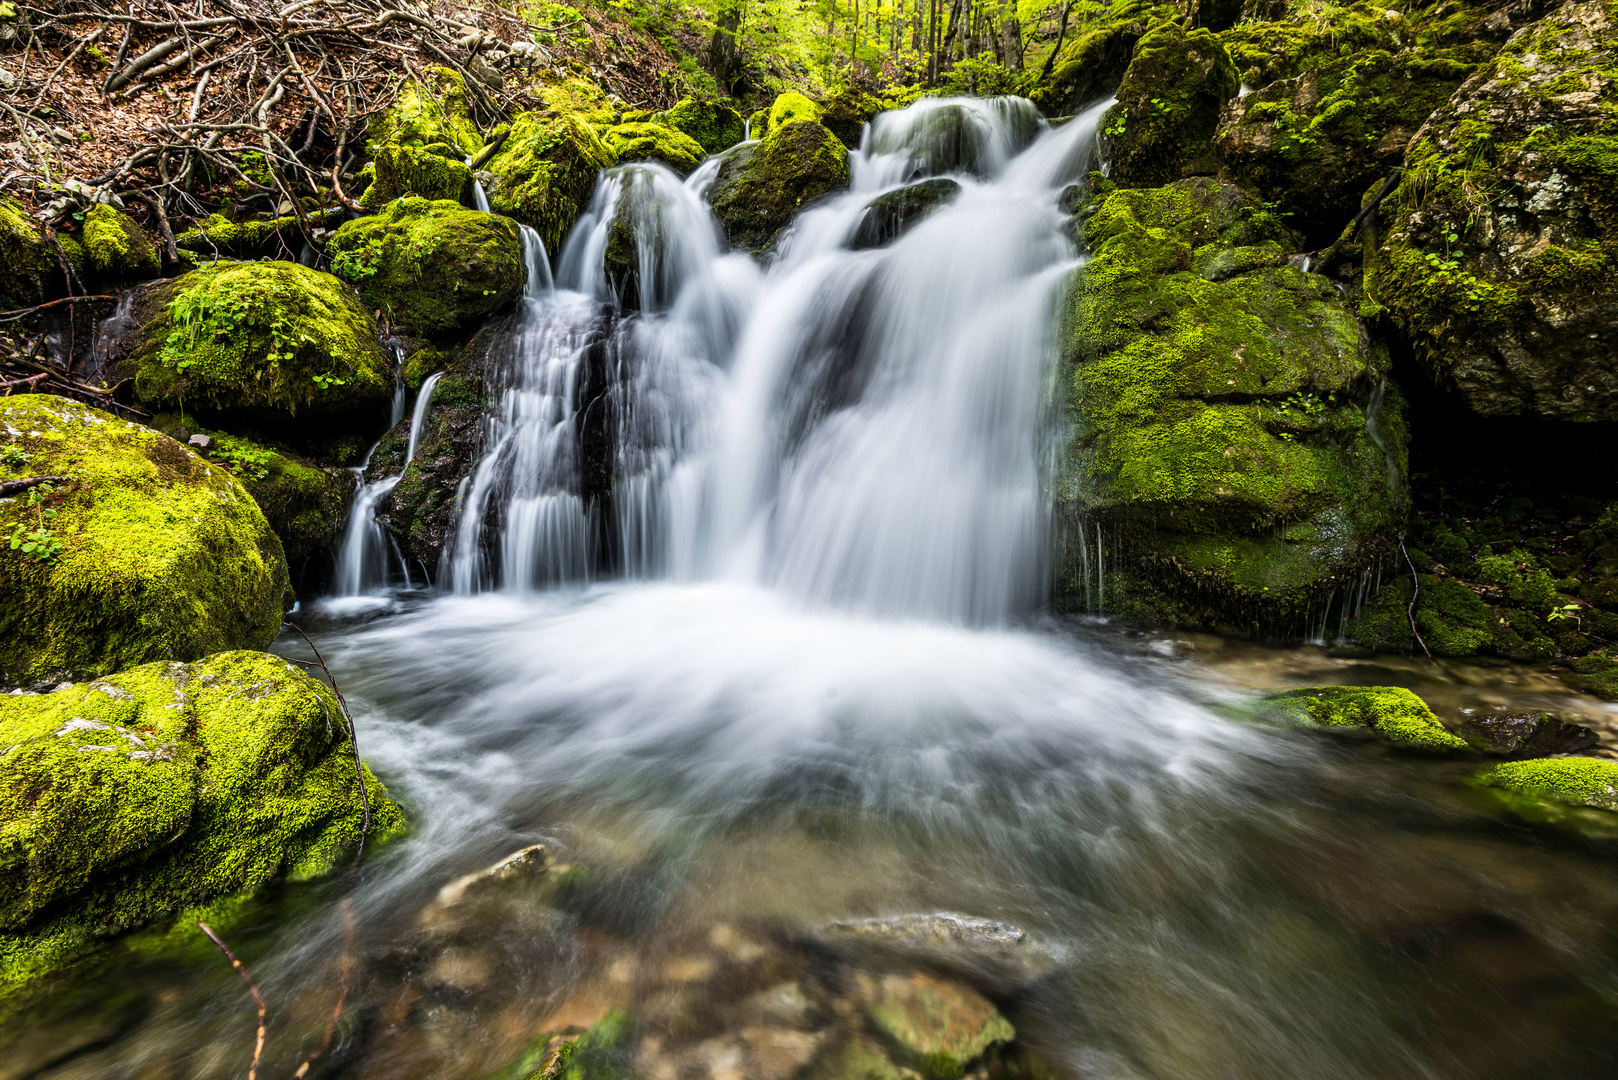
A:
[422,363]
[601,1053]
[406,170]
[758,124]
[262,345]
[846,113]
[1576,781]
[28,266]
[1090,67]
[219,236]
[306,505]
[1391,711]
[165,786]
[1168,106]
[792,108]
[436,111]
[654,142]
[430,266]
[163,556]
[1220,403]
[117,248]
[712,126]
[761,188]
[1452,619]
[546,172]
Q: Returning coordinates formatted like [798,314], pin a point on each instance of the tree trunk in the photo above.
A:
[1010,35]
[723,56]
[1050,61]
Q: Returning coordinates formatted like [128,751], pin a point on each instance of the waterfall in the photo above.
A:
[870,429]
[480,198]
[424,401]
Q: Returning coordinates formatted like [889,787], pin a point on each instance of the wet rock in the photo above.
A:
[164,786]
[1572,781]
[117,249]
[715,127]
[1392,712]
[938,1028]
[1228,434]
[1525,735]
[144,551]
[1496,251]
[1090,69]
[430,267]
[846,113]
[654,142]
[943,929]
[528,861]
[1169,104]
[888,217]
[760,188]
[545,171]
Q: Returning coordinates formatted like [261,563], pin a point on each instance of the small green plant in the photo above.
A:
[15,456]
[1161,106]
[37,544]
[1267,215]
[1115,126]
[1566,611]
[326,382]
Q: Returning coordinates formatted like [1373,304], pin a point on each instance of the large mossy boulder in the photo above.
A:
[1168,109]
[1088,70]
[846,113]
[116,248]
[545,172]
[418,146]
[142,793]
[761,187]
[1229,434]
[1333,106]
[712,126]
[28,266]
[262,346]
[430,267]
[1572,781]
[305,504]
[1499,255]
[144,552]
[646,141]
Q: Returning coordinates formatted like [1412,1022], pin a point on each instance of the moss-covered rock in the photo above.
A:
[151,553]
[1089,69]
[267,346]
[1500,253]
[306,505]
[1314,140]
[654,142]
[219,236]
[1392,712]
[28,266]
[846,113]
[1169,104]
[1227,432]
[431,267]
[940,1028]
[1452,619]
[713,126]
[760,188]
[431,172]
[117,249]
[162,787]
[418,146]
[546,171]
[1575,781]
[792,108]
[890,216]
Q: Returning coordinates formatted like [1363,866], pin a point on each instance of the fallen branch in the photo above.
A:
[23,313]
[258,998]
[1410,611]
[13,487]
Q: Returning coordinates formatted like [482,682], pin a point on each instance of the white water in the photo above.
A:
[418,419]
[862,429]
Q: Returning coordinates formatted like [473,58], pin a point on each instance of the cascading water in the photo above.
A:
[860,428]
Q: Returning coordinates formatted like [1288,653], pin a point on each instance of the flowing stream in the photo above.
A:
[742,620]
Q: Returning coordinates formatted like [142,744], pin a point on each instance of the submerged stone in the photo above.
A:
[143,551]
[888,217]
[162,787]
[1392,712]
[937,1027]
[431,267]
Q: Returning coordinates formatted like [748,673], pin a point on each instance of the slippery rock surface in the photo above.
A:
[158,554]
[1525,735]
[430,267]
[545,172]
[1227,430]
[1392,712]
[761,187]
[126,798]
[643,141]
[1088,70]
[268,346]
[1498,253]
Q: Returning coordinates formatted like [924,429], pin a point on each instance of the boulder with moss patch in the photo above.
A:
[117,249]
[28,268]
[1169,104]
[264,346]
[432,267]
[1573,781]
[846,113]
[147,552]
[545,171]
[1227,433]
[162,787]
[646,141]
[761,187]
[1392,712]
[713,126]
[418,146]
[888,217]
[1499,256]
[1088,70]
[306,505]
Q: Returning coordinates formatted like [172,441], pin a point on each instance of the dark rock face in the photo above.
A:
[760,189]
[1499,257]
[890,216]
[1525,735]
[1168,107]
[1087,71]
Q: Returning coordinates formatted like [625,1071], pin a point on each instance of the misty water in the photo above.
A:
[763,646]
